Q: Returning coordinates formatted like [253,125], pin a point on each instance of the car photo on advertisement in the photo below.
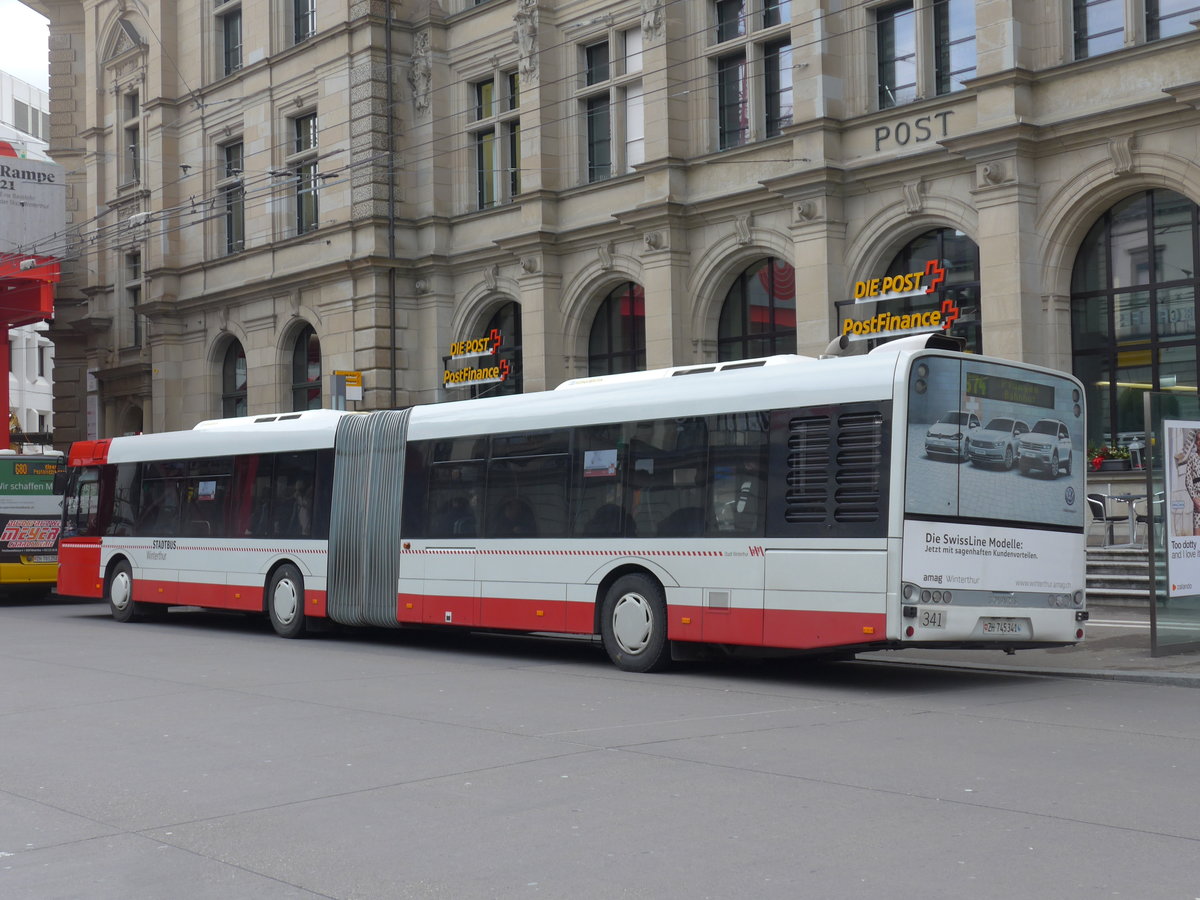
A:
[948,435]
[997,443]
[1047,447]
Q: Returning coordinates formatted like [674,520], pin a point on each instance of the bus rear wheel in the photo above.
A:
[285,601]
[633,624]
[119,593]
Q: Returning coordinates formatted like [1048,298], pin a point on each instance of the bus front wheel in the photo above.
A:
[633,624]
[285,601]
[119,591]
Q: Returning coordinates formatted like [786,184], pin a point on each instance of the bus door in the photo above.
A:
[449,593]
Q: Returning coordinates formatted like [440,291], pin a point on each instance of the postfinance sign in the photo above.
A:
[473,348]
[899,287]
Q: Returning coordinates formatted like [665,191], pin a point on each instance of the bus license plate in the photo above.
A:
[933,618]
[1003,626]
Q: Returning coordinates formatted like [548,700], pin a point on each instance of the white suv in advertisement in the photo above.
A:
[1047,446]
[997,443]
[947,436]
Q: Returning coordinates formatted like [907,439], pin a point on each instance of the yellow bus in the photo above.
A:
[30,521]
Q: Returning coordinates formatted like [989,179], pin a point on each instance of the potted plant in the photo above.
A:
[1106,457]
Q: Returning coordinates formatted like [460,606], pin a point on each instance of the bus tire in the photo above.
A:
[285,601]
[118,590]
[633,624]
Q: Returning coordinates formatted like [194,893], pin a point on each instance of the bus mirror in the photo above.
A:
[60,482]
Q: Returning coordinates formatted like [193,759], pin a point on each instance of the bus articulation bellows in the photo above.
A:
[786,503]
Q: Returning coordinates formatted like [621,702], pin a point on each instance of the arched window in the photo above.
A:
[233,381]
[618,339]
[959,257]
[506,320]
[306,370]
[759,314]
[1133,309]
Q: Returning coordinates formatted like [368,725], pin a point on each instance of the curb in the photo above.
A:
[1134,676]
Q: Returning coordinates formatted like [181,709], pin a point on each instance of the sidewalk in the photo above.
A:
[1105,653]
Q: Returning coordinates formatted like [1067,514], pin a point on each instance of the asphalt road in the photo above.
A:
[205,758]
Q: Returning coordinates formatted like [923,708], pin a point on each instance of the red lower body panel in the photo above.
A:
[79,568]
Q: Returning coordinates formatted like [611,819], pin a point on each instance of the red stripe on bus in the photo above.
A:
[791,629]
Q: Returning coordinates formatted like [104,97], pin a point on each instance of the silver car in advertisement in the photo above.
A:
[1046,447]
[947,436]
[997,443]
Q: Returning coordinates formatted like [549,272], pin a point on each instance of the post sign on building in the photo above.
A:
[886,324]
[482,362]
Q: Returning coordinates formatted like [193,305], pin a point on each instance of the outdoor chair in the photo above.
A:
[1098,504]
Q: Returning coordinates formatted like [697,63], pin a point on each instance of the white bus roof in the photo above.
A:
[776,382]
[770,383]
[309,430]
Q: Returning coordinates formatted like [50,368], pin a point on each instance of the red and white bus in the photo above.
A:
[786,503]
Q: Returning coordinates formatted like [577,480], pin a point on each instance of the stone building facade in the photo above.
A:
[266,193]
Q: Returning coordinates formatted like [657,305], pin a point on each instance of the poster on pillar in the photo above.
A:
[1181,516]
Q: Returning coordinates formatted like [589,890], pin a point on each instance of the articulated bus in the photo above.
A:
[778,504]
[30,518]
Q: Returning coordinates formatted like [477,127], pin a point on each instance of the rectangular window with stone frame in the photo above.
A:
[923,48]
[496,138]
[302,164]
[131,134]
[132,282]
[229,23]
[750,58]
[304,20]
[611,104]
[1102,26]
[233,197]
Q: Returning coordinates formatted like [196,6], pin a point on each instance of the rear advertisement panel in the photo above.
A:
[30,511]
[993,451]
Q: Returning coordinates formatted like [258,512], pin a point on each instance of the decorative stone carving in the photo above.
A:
[530,264]
[653,240]
[491,277]
[421,286]
[1121,151]
[742,226]
[804,211]
[914,196]
[525,37]
[992,173]
[605,252]
[652,20]
[420,74]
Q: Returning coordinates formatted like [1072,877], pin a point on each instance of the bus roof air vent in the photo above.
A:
[936,340]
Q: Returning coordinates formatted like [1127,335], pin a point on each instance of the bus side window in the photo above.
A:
[455,491]
[414,518]
[739,467]
[159,516]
